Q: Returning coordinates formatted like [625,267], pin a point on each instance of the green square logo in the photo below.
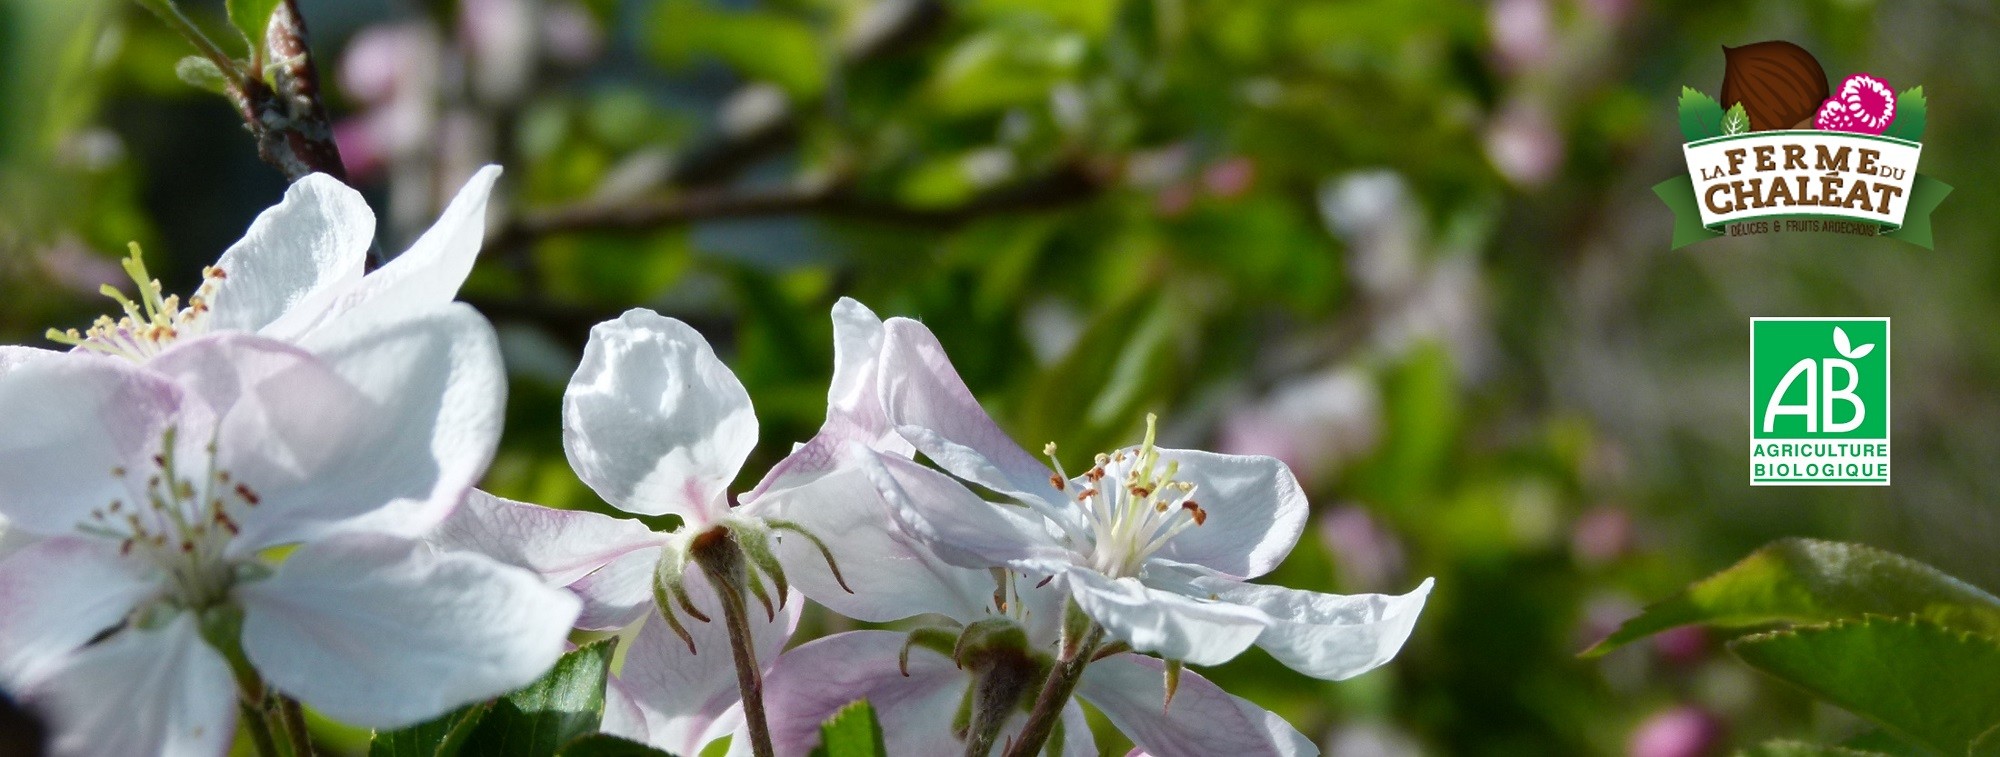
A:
[1819,401]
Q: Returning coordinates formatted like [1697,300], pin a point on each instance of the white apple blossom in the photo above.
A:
[657,425]
[215,510]
[298,269]
[1153,544]
[919,690]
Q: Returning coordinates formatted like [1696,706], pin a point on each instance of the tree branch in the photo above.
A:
[288,119]
[1067,185]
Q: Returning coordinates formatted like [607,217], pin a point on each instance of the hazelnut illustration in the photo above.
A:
[1779,83]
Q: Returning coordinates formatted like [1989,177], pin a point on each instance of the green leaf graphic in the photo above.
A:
[1736,120]
[1911,112]
[1701,115]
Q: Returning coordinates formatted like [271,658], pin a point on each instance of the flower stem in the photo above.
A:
[259,725]
[295,726]
[719,556]
[1055,695]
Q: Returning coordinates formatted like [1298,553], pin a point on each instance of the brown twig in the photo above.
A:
[287,117]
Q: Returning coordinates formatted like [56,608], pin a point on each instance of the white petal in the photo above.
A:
[618,594]
[1328,636]
[297,257]
[160,691]
[429,273]
[957,525]
[70,422]
[812,682]
[854,394]
[1202,719]
[654,422]
[437,378]
[685,695]
[14,356]
[1255,507]
[929,404]
[559,545]
[1175,626]
[59,594]
[893,575]
[383,632]
[857,340]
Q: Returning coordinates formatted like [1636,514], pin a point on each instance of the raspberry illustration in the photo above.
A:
[1864,105]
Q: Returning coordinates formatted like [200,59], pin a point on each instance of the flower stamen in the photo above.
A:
[152,322]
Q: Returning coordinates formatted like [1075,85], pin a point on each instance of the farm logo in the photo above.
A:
[1819,401]
[1782,152]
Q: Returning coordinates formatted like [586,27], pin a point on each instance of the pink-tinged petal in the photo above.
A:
[1255,507]
[1327,636]
[620,593]
[956,524]
[1173,625]
[58,594]
[437,379]
[686,696]
[1202,720]
[926,401]
[893,575]
[811,683]
[654,422]
[297,257]
[383,427]
[854,407]
[382,632]
[70,423]
[818,457]
[622,716]
[13,539]
[429,273]
[142,691]
[559,545]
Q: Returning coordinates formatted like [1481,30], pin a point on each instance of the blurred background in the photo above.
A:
[1408,246]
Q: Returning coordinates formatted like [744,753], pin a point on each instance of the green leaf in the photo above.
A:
[1911,112]
[251,17]
[1789,748]
[1701,115]
[1921,680]
[566,703]
[760,44]
[442,737]
[851,732]
[1736,120]
[1006,67]
[201,73]
[607,745]
[1811,581]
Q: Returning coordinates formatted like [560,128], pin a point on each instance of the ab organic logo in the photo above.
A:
[1819,401]
[1784,152]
